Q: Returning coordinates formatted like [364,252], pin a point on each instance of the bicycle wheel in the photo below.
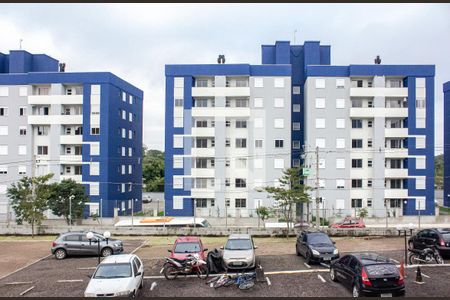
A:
[247,285]
[221,281]
[230,282]
[213,279]
[202,272]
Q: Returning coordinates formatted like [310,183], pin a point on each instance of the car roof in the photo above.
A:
[183,239]
[443,230]
[312,231]
[241,236]
[367,258]
[118,259]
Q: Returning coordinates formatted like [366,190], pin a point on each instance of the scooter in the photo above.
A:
[192,264]
[425,256]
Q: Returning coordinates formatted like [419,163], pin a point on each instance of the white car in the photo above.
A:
[117,276]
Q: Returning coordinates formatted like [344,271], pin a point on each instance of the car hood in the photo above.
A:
[238,254]
[182,256]
[323,248]
[108,286]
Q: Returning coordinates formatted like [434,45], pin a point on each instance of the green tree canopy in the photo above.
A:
[153,170]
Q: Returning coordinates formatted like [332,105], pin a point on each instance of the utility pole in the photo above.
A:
[385,205]
[101,208]
[195,208]
[317,188]
[132,213]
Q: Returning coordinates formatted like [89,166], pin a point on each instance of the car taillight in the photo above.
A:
[441,242]
[364,278]
[400,280]
[54,244]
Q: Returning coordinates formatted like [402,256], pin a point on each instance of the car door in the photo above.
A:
[421,240]
[298,242]
[339,267]
[72,244]
[136,270]
[433,239]
[304,244]
[347,271]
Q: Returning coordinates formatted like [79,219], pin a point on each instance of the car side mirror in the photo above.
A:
[206,249]
[221,247]
[138,274]
[334,243]
[168,250]
[89,276]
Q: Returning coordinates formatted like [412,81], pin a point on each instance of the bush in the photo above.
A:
[322,221]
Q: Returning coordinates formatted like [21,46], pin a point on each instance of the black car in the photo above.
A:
[368,274]
[438,237]
[316,247]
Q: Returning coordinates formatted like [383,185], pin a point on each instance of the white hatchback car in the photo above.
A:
[117,276]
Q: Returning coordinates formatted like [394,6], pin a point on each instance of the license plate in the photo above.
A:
[238,263]
[327,258]
[386,295]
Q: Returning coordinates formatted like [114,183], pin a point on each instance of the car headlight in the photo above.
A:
[336,251]
[124,293]
[117,245]
[315,252]
[89,294]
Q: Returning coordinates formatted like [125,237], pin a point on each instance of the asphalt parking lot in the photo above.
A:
[69,277]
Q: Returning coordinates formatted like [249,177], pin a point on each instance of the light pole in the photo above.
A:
[100,212]
[71,197]
[90,236]
[195,208]
[132,212]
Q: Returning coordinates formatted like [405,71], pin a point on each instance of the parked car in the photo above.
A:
[368,274]
[349,222]
[438,237]
[117,276]
[239,252]
[76,243]
[188,245]
[303,224]
[316,247]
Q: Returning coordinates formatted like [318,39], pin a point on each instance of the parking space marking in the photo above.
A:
[24,267]
[19,282]
[423,274]
[140,246]
[69,280]
[268,281]
[396,261]
[321,278]
[308,266]
[26,291]
[154,284]
[87,268]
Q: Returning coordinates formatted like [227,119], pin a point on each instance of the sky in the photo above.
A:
[135,41]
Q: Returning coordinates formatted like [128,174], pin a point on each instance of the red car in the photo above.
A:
[349,223]
[186,245]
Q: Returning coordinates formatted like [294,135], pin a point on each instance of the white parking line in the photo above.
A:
[154,284]
[69,280]
[308,266]
[140,246]
[19,282]
[26,291]
[321,278]
[30,264]
[268,281]
[424,275]
[396,261]
[87,268]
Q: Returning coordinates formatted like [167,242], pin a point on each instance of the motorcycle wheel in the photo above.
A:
[414,259]
[202,272]
[170,272]
[438,259]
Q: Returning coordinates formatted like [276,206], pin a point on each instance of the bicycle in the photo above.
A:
[243,281]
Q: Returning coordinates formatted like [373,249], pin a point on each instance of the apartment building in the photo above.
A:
[446,89]
[228,133]
[81,126]
[373,129]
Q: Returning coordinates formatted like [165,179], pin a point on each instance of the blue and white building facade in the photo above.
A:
[83,126]
[446,90]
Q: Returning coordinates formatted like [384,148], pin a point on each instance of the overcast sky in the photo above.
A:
[135,41]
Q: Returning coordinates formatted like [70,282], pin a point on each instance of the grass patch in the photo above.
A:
[444,210]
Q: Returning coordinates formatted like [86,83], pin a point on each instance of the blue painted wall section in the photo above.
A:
[446,90]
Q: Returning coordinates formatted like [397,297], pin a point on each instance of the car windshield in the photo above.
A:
[446,236]
[108,271]
[239,244]
[381,269]
[187,247]
[206,224]
[319,239]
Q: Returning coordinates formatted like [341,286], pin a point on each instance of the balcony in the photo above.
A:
[55,99]
[55,119]
[396,153]
[203,172]
[203,193]
[395,193]
[203,152]
[220,92]
[220,112]
[396,132]
[396,173]
[71,159]
[378,92]
[77,178]
[364,112]
[71,139]
[203,131]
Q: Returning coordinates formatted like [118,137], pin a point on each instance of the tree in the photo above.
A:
[362,213]
[61,204]
[29,199]
[153,170]
[290,192]
[263,213]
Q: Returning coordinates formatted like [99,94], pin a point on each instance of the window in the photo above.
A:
[177,162]
[420,103]
[3,150]
[370,123]
[356,183]
[227,163]
[227,103]
[369,163]
[124,97]
[241,143]
[259,82]
[320,123]
[340,123]
[340,183]
[296,90]
[278,163]
[320,83]
[201,202]
[227,142]
[395,163]
[340,103]
[94,168]
[357,143]
[130,134]
[278,123]
[42,130]
[296,126]
[356,123]
[279,143]
[369,143]
[241,124]
[322,163]
[295,144]
[420,163]
[279,83]
[178,141]
[95,149]
[228,123]
[320,102]
[3,111]
[178,102]
[340,143]
[23,91]
[177,182]
[420,122]
[258,102]
[296,107]
[201,163]
[240,183]
[278,102]
[227,182]
[369,183]
[240,203]
[320,142]
[357,103]
[95,131]
[241,103]
[130,169]
[356,163]
[241,163]
[4,91]
[340,83]
[296,162]
[22,170]
[396,183]
[201,143]
[356,203]
[420,142]
[200,102]
[340,163]
[258,122]
[395,203]
[42,150]
[22,111]
[420,183]
[3,130]
[3,169]
[258,143]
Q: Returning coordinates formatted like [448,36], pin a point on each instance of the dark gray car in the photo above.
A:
[316,247]
[76,243]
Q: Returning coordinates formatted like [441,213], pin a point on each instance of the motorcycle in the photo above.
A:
[192,264]
[425,256]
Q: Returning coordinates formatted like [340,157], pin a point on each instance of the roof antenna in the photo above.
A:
[295,31]
[377,60]
[20,44]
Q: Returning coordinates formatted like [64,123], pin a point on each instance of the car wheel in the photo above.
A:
[355,291]
[308,257]
[333,275]
[60,254]
[107,252]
